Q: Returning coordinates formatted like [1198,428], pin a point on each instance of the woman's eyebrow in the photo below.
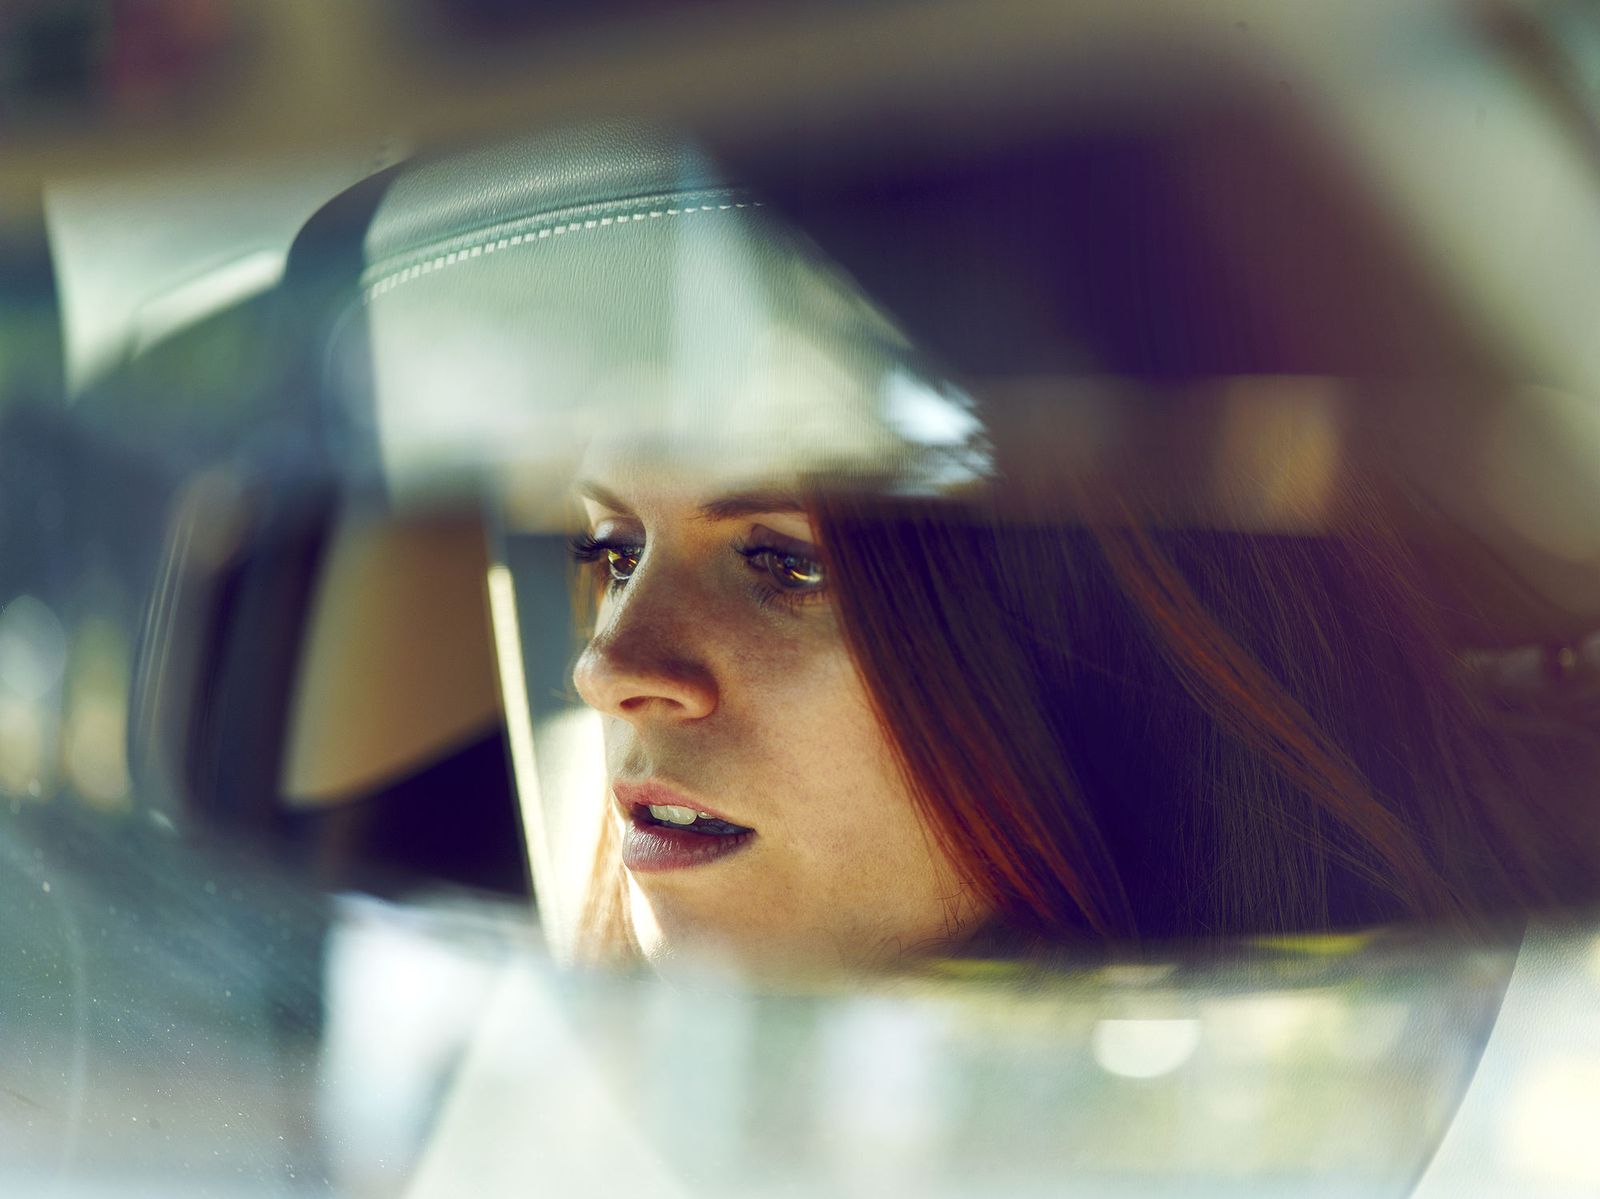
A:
[728,507]
[732,507]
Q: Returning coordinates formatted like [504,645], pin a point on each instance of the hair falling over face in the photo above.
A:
[1126,732]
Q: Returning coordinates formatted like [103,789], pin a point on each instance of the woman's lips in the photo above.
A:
[650,845]
[651,793]
[648,848]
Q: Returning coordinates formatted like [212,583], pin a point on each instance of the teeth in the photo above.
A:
[672,814]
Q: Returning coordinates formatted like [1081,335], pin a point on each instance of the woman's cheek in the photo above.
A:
[798,671]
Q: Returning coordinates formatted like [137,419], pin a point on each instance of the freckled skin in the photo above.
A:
[756,711]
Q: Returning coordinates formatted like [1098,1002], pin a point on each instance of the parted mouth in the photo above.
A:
[655,804]
[687,820]
[669,832]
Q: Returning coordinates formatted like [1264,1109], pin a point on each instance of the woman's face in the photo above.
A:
[730,702]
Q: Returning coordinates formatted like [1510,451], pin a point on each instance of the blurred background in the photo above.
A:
[271,917]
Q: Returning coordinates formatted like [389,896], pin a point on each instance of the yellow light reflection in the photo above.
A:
[519,720]
[94,743]
[1278,454]
[95,725]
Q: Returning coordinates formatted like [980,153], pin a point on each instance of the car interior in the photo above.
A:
[275,722]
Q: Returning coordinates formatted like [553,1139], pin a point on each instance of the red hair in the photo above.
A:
[1119,731]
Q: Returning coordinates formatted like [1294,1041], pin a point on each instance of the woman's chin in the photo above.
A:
[702,955]
[703,960]
[688,943]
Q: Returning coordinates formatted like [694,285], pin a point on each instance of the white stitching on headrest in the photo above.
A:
[391,281]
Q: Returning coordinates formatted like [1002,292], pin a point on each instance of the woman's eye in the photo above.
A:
[621,563]
[619,560]
[791,572]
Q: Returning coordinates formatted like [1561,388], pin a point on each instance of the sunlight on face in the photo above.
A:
[765,826]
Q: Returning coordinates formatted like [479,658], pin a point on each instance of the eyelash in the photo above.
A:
[588,549]
[591,550]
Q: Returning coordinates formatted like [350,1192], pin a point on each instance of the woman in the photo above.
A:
[845,730]
[760,815]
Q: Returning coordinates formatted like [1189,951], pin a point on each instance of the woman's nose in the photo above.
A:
[642,664]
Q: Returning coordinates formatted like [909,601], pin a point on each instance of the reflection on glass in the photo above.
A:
[95,731]
[892,665]
[1144,1048]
